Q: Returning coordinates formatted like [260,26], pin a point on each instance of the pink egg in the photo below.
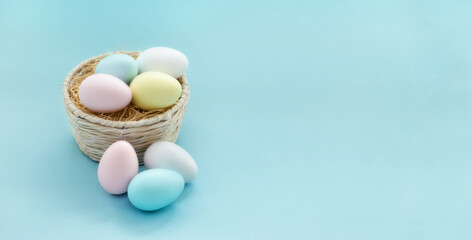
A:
[104,93]
[117,167]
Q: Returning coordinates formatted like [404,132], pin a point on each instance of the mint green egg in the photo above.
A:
[120,65]
[155,188]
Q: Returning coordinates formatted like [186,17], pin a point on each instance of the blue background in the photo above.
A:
[308,119]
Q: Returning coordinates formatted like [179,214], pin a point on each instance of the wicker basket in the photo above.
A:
[94,134]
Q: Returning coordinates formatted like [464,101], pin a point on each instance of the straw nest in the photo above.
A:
[95,132]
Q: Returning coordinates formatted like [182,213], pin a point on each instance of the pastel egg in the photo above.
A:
[104,93]
[117,167]
[120,65]
[155,90]
[163,59]
[171,156]
[155,188]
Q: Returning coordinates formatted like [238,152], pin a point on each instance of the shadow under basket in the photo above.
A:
[95,132]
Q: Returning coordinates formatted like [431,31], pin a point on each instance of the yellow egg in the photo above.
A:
[155,90]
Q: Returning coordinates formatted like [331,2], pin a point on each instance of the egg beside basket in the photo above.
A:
[95,132]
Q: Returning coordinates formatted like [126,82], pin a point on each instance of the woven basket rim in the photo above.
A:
[70,106]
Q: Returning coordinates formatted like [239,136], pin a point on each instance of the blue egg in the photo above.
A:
[120,65]
[155,188]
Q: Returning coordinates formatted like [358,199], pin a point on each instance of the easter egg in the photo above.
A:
[171,156]
[155,188]
[163,59]
[120,65]
[155,90]
[104,93]
[117,167]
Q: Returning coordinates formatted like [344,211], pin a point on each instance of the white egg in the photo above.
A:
[171,156]
[162,59]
